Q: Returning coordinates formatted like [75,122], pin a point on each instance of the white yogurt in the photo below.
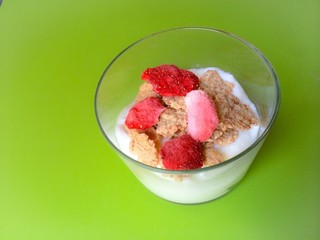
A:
[244,140]
[199,186]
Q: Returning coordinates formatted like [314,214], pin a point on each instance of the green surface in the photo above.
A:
[60,180]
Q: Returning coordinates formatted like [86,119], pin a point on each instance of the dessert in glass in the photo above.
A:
[187,110]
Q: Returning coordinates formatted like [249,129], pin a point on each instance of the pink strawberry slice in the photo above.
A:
[182,153]
[202,115]
[145,113]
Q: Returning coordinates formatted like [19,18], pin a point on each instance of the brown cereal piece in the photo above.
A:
[244,117]
[228,136]
[224,135]
[231,111]
[145,144]
[176,102]
[212,84]
[172,123]
[233,115]
[145,91]
[210,155]
[216,134]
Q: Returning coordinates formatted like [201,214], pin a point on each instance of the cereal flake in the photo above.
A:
[145,144]
[172,123]
[233,115]
[210,155]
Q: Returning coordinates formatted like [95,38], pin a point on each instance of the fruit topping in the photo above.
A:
[145,113]
[202,115]
[182,153]
[169,80]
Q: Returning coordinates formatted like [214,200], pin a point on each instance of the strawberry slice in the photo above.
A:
[182,153]
[145,113]
[169,80]
[202,115]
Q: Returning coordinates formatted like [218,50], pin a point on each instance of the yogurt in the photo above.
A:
[202,184]
[245,138]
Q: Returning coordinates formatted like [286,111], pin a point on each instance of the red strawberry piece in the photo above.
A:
[169,80]
[182,153]
[202,115]
[145,113]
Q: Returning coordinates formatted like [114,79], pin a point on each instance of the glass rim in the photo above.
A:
[216,166]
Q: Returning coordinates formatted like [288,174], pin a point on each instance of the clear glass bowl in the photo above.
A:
[189,47]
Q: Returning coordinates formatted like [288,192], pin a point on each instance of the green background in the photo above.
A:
[59,179]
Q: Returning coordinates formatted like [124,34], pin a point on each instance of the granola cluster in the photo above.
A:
[234,116]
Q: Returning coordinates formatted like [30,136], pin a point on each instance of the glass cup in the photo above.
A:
[190,47]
